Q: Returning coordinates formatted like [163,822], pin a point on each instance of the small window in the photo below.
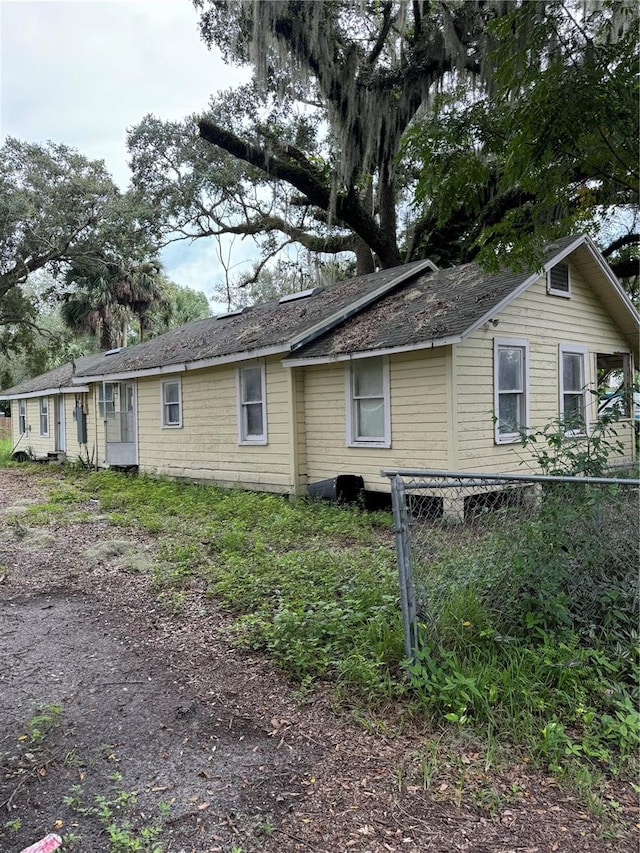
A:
[368,420]
[511,392]
[44,416]
[574,381]
[252,405]
[106,404]
[171,403]
[22,416]
[558,281]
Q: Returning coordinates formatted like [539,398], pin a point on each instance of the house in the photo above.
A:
[50,415]
[409,367]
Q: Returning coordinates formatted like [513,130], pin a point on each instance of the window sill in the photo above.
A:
[364,444]
[563,293]
[507,439]
[253,442]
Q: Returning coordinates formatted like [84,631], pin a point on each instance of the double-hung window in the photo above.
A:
[44,416]
[511,388]
[171,403]
[574,381]
[252,405]
[368,408]
[22,416]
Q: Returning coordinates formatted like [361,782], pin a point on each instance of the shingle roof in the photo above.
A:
[271,324]
[430,307]
[59,377]
[404,307]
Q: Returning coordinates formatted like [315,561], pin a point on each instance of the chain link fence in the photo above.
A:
[511,536]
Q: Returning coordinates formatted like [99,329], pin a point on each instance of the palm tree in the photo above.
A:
[91,306]
[106,292]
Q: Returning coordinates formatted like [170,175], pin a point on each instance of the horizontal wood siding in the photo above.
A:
[32,442]
[545,321]
[419,420]
[85,452]
[301,431]
[41,446]
[206,446]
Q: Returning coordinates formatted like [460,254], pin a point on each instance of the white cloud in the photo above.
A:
[197,265]
[83,71]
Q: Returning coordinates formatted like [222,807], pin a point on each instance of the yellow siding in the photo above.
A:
[87,453]
[545,321]
[40,446]
[206,446]
[32,442]
[420,435]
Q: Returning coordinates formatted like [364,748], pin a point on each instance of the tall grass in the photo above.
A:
[5,451]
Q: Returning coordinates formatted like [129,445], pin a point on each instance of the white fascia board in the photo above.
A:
[613,281]
[202,364]
[497,309]
[354,307]
[556,259]
[561,255]
[47,392]
[330,359]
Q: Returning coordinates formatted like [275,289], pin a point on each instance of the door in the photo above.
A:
[120,425]
[61,428]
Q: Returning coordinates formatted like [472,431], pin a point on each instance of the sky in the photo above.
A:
[83,71]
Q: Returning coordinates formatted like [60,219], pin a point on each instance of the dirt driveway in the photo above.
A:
[98,679]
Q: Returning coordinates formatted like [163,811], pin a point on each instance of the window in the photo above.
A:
[368,410]
[511,388]
[614,374]
[252,405]
[171,403]
[44,416]
[573,389]
[22,416]
[106,405]
[558,282]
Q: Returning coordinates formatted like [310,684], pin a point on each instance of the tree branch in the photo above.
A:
[347,206]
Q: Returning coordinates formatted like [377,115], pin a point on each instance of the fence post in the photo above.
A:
[405,574]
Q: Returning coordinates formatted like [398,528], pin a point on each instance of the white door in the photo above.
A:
[61,432]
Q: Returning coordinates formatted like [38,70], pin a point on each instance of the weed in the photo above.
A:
[115,814]
[12,825]
[266,826]
[43,722]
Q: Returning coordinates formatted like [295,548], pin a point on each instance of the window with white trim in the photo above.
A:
[106,401]
[574,382]
[511,388]
[252,405]
[22,416]
[368,406]
[558,280]
[171,403]
[44,416]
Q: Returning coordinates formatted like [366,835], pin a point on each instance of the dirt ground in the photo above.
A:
[244,762]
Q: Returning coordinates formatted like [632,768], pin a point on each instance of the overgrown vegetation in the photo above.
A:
[5,451]
[530,619]
[530,636]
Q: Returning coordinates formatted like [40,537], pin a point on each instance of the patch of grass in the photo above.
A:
[508,657]
[6,446]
